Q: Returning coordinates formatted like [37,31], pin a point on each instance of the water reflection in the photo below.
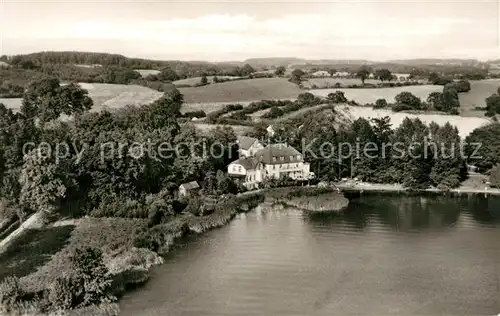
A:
[385,255]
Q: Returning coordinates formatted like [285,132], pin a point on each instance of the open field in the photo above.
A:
[242,90]
[13,103]
[209,106]
[238,129]
[196,80]
[147,72]
[109,96]
[329,82]
[364,96]
[480,90]
[465,125]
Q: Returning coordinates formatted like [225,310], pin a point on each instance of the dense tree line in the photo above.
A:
[100,182]
[434,160]
[68,60]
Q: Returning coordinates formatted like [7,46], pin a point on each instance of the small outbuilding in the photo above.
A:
[189,188]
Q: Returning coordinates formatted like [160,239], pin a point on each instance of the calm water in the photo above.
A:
[388,255]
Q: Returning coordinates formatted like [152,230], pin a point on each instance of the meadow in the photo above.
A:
[329,82]
[192,82]
[465,125]
[108,96]
[205,129]
[480,90]
[147,72]
[364,96]
[242,90]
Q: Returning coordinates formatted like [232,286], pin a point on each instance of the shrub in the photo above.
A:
[462,86]
[401,107]
[64,293]
[11,293]
[380,103]
[93,274]
[336,97]
[408,99]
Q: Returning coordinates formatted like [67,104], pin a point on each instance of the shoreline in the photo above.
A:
[374,187]
[226,211]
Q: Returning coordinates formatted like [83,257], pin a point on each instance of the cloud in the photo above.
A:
[309,35]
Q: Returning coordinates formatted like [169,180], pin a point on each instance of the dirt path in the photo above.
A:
[35,221]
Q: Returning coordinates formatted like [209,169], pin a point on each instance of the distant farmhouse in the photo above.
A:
[341,74]
[402,77]
[494,69]
[274,161]
[321,73]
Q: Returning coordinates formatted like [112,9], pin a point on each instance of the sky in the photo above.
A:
[236,30]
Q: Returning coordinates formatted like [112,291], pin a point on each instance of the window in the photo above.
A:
[274,158]
[298,157]
[291,158]
[282,158]
[239,168]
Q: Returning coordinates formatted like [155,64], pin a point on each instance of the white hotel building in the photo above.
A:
[258,163]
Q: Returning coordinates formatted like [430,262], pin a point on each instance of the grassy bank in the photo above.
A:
[129,247]
[312,199]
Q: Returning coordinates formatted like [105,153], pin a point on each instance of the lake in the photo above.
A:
[387,255]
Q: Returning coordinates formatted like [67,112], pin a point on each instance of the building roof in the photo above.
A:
[278,151]
[247,163]
[190,185]
[245,142]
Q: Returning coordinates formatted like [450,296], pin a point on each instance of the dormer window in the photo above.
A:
[274,159]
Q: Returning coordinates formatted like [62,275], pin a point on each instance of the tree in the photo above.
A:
[363,73]
[216,79]
[498,90]
[332,71]
[435,100]
[204,80]
[297,75]
[495,177]
[336,97]
[225,184]
[450,98]
[168,74]
[381,103]
[44,183]
[383,75]
[89,266]
[247,70]
[487,155]
[449,168]
[47,100]
[280,71]
[493,104]
[307,98]
[462,86]
[408,99]
[433,77]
